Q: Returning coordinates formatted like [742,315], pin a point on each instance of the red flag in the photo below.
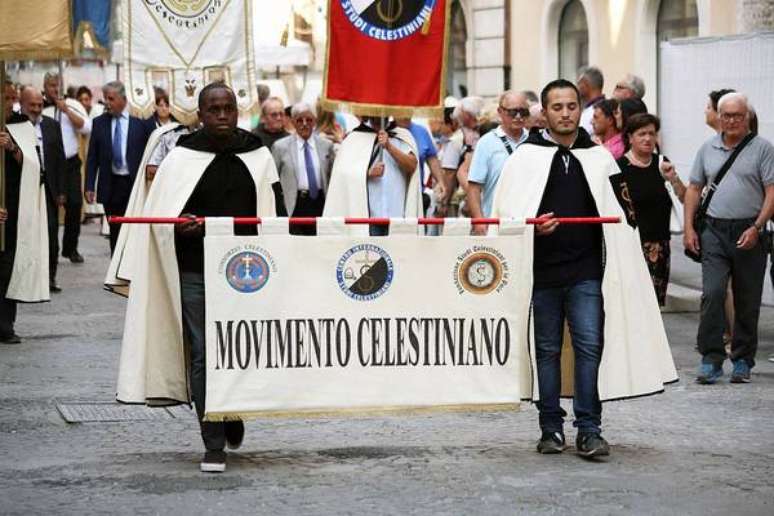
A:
[386,57]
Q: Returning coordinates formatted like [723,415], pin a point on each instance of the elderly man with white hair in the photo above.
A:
[304,162]
[731,240]
[630,87]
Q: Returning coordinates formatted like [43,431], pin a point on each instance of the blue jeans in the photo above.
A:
[581,306]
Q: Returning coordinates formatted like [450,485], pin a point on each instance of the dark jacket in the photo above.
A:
[573,253]
[99,163]
[53,157]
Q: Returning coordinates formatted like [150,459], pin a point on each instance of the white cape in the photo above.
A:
[636,359]
[29,279]
[153,364]
[119,272]
[348,191]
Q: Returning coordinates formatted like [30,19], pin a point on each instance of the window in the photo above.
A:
[573,40]
[456,64]
[677,19]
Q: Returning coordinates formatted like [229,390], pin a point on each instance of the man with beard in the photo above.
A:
[218,171]
[559,172]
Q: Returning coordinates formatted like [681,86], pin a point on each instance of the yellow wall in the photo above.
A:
[616,41]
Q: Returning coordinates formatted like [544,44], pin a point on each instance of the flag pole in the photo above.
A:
[3,107]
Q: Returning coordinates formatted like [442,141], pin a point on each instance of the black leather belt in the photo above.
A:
[303,194]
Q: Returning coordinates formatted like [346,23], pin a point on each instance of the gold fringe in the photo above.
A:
[380,110]
[358,412]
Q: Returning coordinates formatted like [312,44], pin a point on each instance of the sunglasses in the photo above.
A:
[513,113]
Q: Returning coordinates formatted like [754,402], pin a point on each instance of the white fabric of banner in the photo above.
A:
[183,46]
[274,226]
[331,324]
[509,226]
[219,226]
[456,226]
[407,226]
[331,226]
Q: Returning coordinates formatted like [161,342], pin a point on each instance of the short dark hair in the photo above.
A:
[716,95]
[640,120]
[608,107]
[217,85]
[556,85]
[629,108]
[82,90]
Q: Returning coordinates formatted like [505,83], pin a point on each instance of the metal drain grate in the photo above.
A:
[111,412]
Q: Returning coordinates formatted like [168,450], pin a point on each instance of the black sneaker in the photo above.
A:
[591,445]
[235,433]
[10,339]
[551,442]
[54,288]
[214,461]
[75,257]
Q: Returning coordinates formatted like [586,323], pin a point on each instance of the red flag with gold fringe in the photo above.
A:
[386,57]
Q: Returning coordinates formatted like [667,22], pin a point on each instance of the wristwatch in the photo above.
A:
[759,227]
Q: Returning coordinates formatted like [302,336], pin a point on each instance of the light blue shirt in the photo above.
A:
[124,121]
[387,194]
[488,161]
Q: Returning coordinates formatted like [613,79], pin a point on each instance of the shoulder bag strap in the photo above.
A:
[722,172]
[507,144]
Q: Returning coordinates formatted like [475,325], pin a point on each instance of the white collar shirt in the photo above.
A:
[69,132]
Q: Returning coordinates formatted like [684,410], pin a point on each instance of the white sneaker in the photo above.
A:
[214,461]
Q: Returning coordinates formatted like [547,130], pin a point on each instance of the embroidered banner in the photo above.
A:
[181,46]
[386,57]
[332,324]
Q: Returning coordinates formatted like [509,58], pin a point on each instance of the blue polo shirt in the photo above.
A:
[488,161]
[425,146]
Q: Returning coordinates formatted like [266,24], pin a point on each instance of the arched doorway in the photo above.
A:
[456,60]
[573,40]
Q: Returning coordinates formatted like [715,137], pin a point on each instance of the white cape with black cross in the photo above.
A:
[636,358]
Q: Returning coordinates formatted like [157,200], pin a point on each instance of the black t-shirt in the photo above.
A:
[573,253]
[650,200]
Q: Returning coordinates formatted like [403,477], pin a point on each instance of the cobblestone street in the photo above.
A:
[693,450]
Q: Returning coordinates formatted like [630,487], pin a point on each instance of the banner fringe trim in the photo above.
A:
[358,412]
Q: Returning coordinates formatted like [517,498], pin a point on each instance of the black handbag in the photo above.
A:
[700,217]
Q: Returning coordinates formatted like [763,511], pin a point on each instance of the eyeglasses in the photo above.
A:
[732,117]
[514,112]
[304,121]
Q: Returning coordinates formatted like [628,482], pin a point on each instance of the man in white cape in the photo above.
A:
[376,174]
[592,276]
[219,171]
[24,262]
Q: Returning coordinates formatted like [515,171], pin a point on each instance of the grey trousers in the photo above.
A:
[720,260]
[192,294]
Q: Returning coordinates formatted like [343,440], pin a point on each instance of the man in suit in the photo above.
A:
[53,165]
[304,161]
[115,151]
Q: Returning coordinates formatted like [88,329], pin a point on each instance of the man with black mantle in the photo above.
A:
[559,172]
[218,171]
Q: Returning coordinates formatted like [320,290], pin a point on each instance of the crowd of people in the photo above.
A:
[449,167]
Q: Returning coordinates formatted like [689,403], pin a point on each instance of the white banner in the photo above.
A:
[337,324]
[181,46]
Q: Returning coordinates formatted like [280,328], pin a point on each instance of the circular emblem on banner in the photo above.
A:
[247,272]
[364,272]
[186,8]
[480,273]
[387,20]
